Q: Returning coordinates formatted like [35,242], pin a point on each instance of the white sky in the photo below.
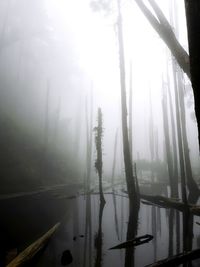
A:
[93,37]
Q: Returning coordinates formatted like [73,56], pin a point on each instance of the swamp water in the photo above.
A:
[87,234]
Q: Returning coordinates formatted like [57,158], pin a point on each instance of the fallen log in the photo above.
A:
[165,202]
[30,252]
[177,259]
[134,242]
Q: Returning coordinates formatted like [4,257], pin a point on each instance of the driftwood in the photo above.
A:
[134,242]
[30,252]
[177,259]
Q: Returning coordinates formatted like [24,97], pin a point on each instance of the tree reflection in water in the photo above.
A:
[131,232]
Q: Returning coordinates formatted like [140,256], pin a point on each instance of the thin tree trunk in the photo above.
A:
[179,133]
[167,145]
[174,143]
[151,137]
[130,181]
[114,160]
[131,113]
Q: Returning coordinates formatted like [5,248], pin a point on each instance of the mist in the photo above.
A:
[99,133]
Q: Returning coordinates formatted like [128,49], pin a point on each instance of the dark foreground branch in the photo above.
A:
[30,252]
[177,259]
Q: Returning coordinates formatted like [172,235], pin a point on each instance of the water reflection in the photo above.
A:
[87,252]
[98,240]
[173,232]
[115,214]
[131,233]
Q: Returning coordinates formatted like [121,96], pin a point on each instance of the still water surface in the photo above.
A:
[89,237]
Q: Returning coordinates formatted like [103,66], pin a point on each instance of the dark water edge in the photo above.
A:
[88,231]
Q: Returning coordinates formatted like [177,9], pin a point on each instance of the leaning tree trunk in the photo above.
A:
[193,21]
[179,136]
[130,181]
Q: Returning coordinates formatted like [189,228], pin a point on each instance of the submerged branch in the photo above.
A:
[134,242]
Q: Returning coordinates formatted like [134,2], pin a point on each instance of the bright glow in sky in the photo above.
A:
[95,40]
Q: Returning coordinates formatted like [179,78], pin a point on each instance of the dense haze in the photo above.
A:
[71,50]
[99,151]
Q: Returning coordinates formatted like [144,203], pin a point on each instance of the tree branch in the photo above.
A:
[165,31]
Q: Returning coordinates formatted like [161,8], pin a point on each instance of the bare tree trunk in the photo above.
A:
[165,31]
[175,158]
[130,181]
[192,186]
[131,113]
[88,219]
[98,162]
[77,131]
[174,143]
[114,160]
[193,21]
[89,127]
[151,137]
[179,133]
[167,146]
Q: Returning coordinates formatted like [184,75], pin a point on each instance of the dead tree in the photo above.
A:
[130,181]
[114,160]
[88,220]
[179,136]
[174,143]
[165,31]
[151,136]
[194,191]
[131,112]
[98,162]
[98,166]
[193,21]
[89,143]
[190,64]
[168,147]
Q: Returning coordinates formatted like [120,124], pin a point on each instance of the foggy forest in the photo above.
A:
[99,133]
